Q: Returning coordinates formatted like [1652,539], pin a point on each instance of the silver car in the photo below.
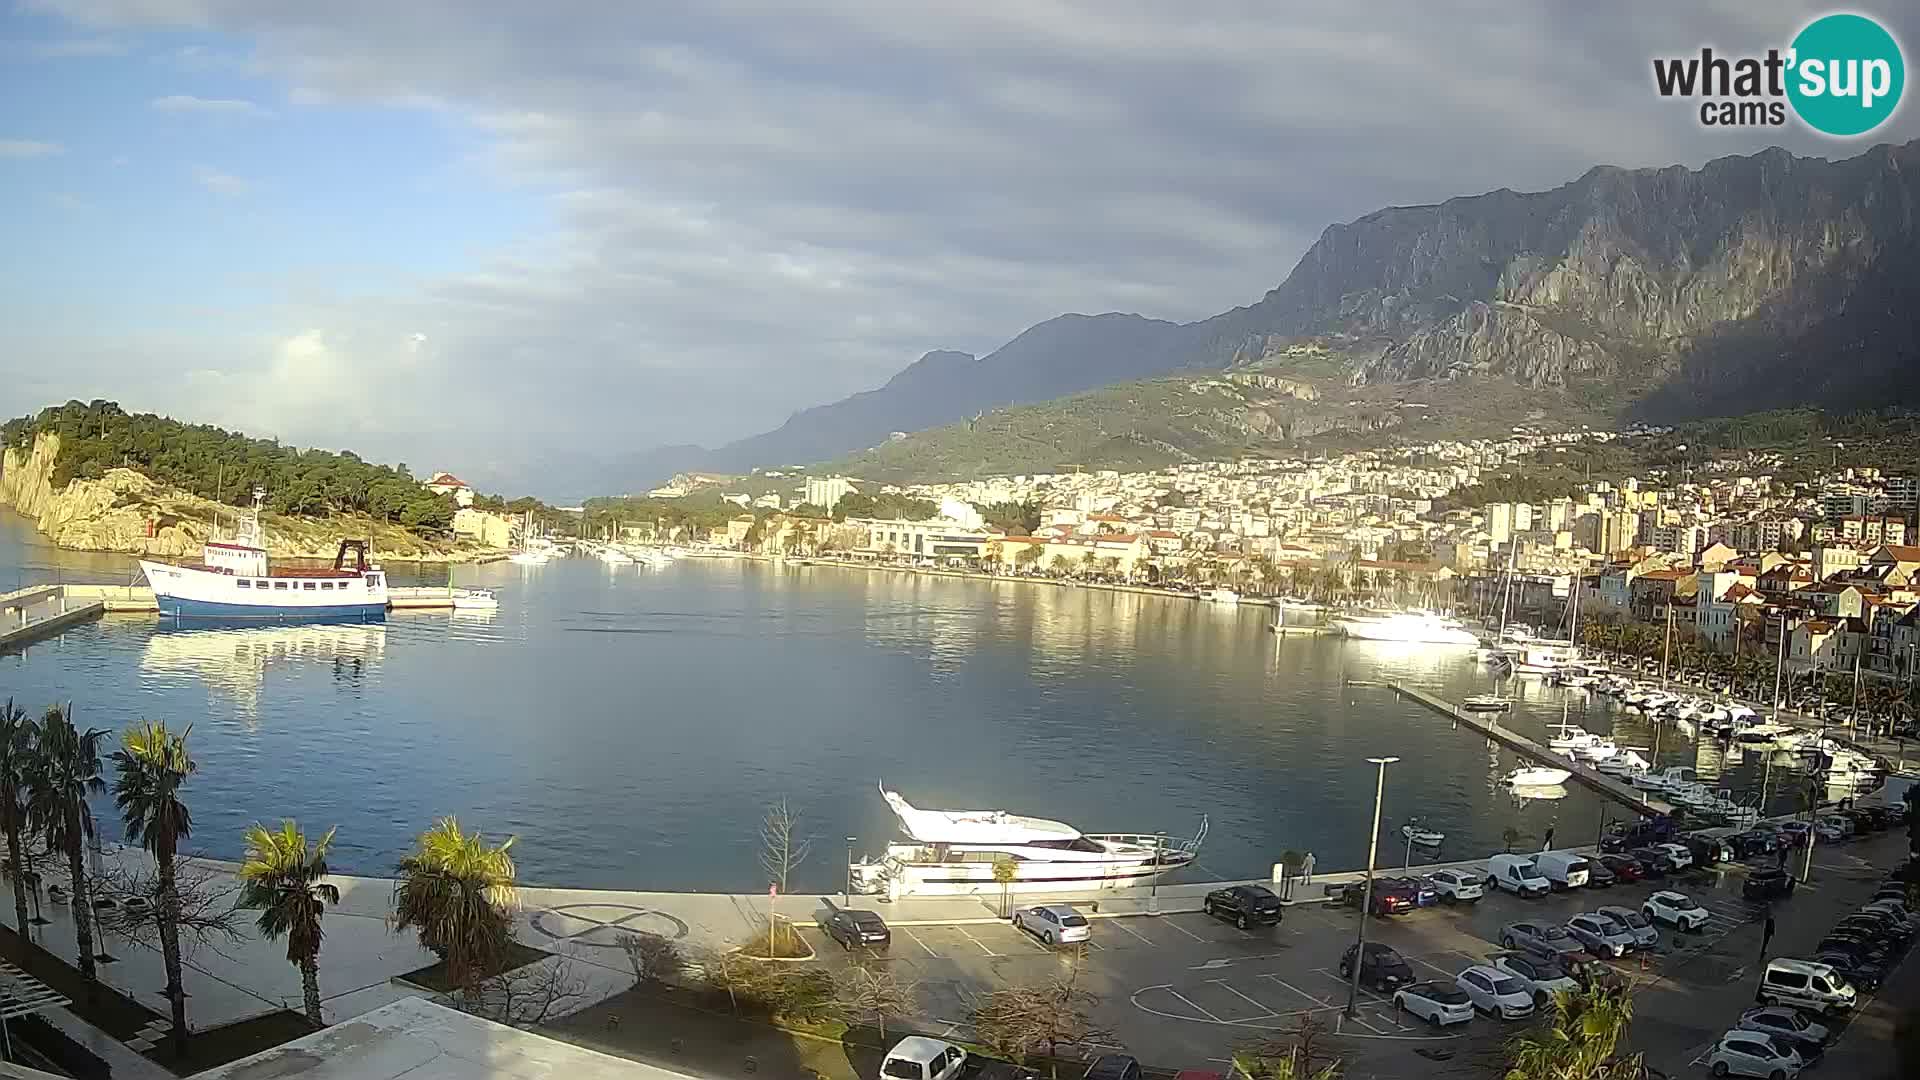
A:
[1542,939]
[1601,935]
[1645,936]
[1055,924]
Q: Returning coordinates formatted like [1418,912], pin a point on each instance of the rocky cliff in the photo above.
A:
[125,511]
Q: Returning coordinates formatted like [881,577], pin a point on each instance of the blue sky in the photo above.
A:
[488,236]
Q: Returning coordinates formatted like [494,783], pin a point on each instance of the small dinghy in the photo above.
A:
[1423,837]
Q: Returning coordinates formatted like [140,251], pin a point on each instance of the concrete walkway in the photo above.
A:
[125,1063]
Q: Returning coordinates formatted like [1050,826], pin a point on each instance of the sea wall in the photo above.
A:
[125,511]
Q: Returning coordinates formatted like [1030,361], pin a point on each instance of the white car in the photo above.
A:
[1435,1002]
[1495,992]
[917,1057]
[1055,924]
[1456,886]
[1749,1053]
[1681,855]
[1541,978]
[1675,909]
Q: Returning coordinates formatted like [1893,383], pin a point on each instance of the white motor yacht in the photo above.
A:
[1413,626]
[475,600]
[1220,596]
[1537,776]
[1627,763]
[953,853]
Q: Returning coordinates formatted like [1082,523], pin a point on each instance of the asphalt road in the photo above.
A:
[1185,990]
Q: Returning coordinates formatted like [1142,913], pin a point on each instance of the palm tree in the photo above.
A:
[65,770]
[16,755]
[152,763]
[286,879]
[1579,1042]
[455,890]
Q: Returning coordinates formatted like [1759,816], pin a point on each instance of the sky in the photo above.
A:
[480,234]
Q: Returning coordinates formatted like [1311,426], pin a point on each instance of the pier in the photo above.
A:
[30,614]
[1618,790]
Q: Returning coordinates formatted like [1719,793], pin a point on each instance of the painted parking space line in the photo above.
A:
[1356,1019]
[1191,1005]
[1262,1006]
[1429,964]
[1118,924]
[916,940]
[976,941]
[1345,985]
[1315,998]
[1185,931]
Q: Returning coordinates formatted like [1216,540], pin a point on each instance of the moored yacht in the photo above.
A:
[1537,776]
[953,852]
[235,581]
[1415,626]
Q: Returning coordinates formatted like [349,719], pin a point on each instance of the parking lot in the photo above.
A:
[1184,990]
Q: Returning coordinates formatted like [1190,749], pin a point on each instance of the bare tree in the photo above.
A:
[205,896]
[1290,1055]
[1022,1021]
[652,957]
[782,847]
[861,995]
[527,996]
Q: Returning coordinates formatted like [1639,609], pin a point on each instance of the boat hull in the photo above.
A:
[183,608]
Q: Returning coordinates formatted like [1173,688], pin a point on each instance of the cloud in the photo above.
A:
[29,148]
[187,103]
[78,47]
[755,209]
[220,183]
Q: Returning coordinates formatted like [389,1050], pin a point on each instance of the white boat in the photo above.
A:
[1411,626]
[1541,657]
[475,600]
[1570,737]
[1762,736]
[1423,837]
[1487,703]
[1220,596]
[1627,762]
[613,556]
[953,853]
[1543,792]
[1600,749]
[234,581]
[529,557]
[1537,776]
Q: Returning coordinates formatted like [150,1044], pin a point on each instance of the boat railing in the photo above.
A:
[1158,841]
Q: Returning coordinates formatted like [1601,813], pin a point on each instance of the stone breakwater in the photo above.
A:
[126,511]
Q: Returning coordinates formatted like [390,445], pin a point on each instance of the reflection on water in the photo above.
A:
[632,725]
[234,660]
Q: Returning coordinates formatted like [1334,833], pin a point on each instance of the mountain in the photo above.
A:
[1754,282]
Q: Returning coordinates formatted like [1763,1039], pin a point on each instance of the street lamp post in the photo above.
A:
[1366,898]
[1153,883]
[848,895]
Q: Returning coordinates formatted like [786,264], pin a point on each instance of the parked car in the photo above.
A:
[1857,970]
[1827,832]
[1549,940]
[1880,924]
[1793,834]
[1437,1003]
[1384,969]
[864,928]
[1244,905]
[1675,909]
[1676,853]
[1055,924]
[1868,945]
[1623,867]
[1750,1053]
[1837,821]
[1752,843]
[1892,894]
[1598,876]
[1766,883]
[1707,850]
[1602,936]
[1543,978]
[1806,985]
[1424,892]
[1114,1067]
[1389,896]
[1495,992]
[917,1057]
[1457,886]
[1515,873]
[1654,863]
[1787,1025]
[1863,822]
[1644,934]
[1562,869]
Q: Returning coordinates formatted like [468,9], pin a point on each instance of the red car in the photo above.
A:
[1624,867]
[1390,896]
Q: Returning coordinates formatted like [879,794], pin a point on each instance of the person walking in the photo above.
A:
[1306,869]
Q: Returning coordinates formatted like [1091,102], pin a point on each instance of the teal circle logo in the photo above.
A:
[1846,76]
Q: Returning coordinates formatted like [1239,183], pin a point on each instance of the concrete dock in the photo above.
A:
[38,611]
[1489,725]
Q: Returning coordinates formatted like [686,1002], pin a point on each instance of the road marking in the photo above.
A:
[976,941]
[1222,984]
[1186,931]
[1193,1006]
[1436,967]
[1094,945]
[1323,1002]
[1356,1019]
[1344,984]
[922,944]
[1119,925]
[1211,965]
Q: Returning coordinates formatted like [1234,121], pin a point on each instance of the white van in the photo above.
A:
[1805,984]
[1515,873]
[1562,869]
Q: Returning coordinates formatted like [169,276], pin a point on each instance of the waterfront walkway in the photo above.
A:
[32,613]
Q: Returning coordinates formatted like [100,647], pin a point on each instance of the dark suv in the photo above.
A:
[1114,1067]
[1389,896]
[1383,969]
[1766,883]
[1244,905]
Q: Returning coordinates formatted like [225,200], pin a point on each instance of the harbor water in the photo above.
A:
[631,725]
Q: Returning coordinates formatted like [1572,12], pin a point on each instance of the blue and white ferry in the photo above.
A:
[234,581]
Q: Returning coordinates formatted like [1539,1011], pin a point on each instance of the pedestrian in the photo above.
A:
[1548,846]
[1306,869]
